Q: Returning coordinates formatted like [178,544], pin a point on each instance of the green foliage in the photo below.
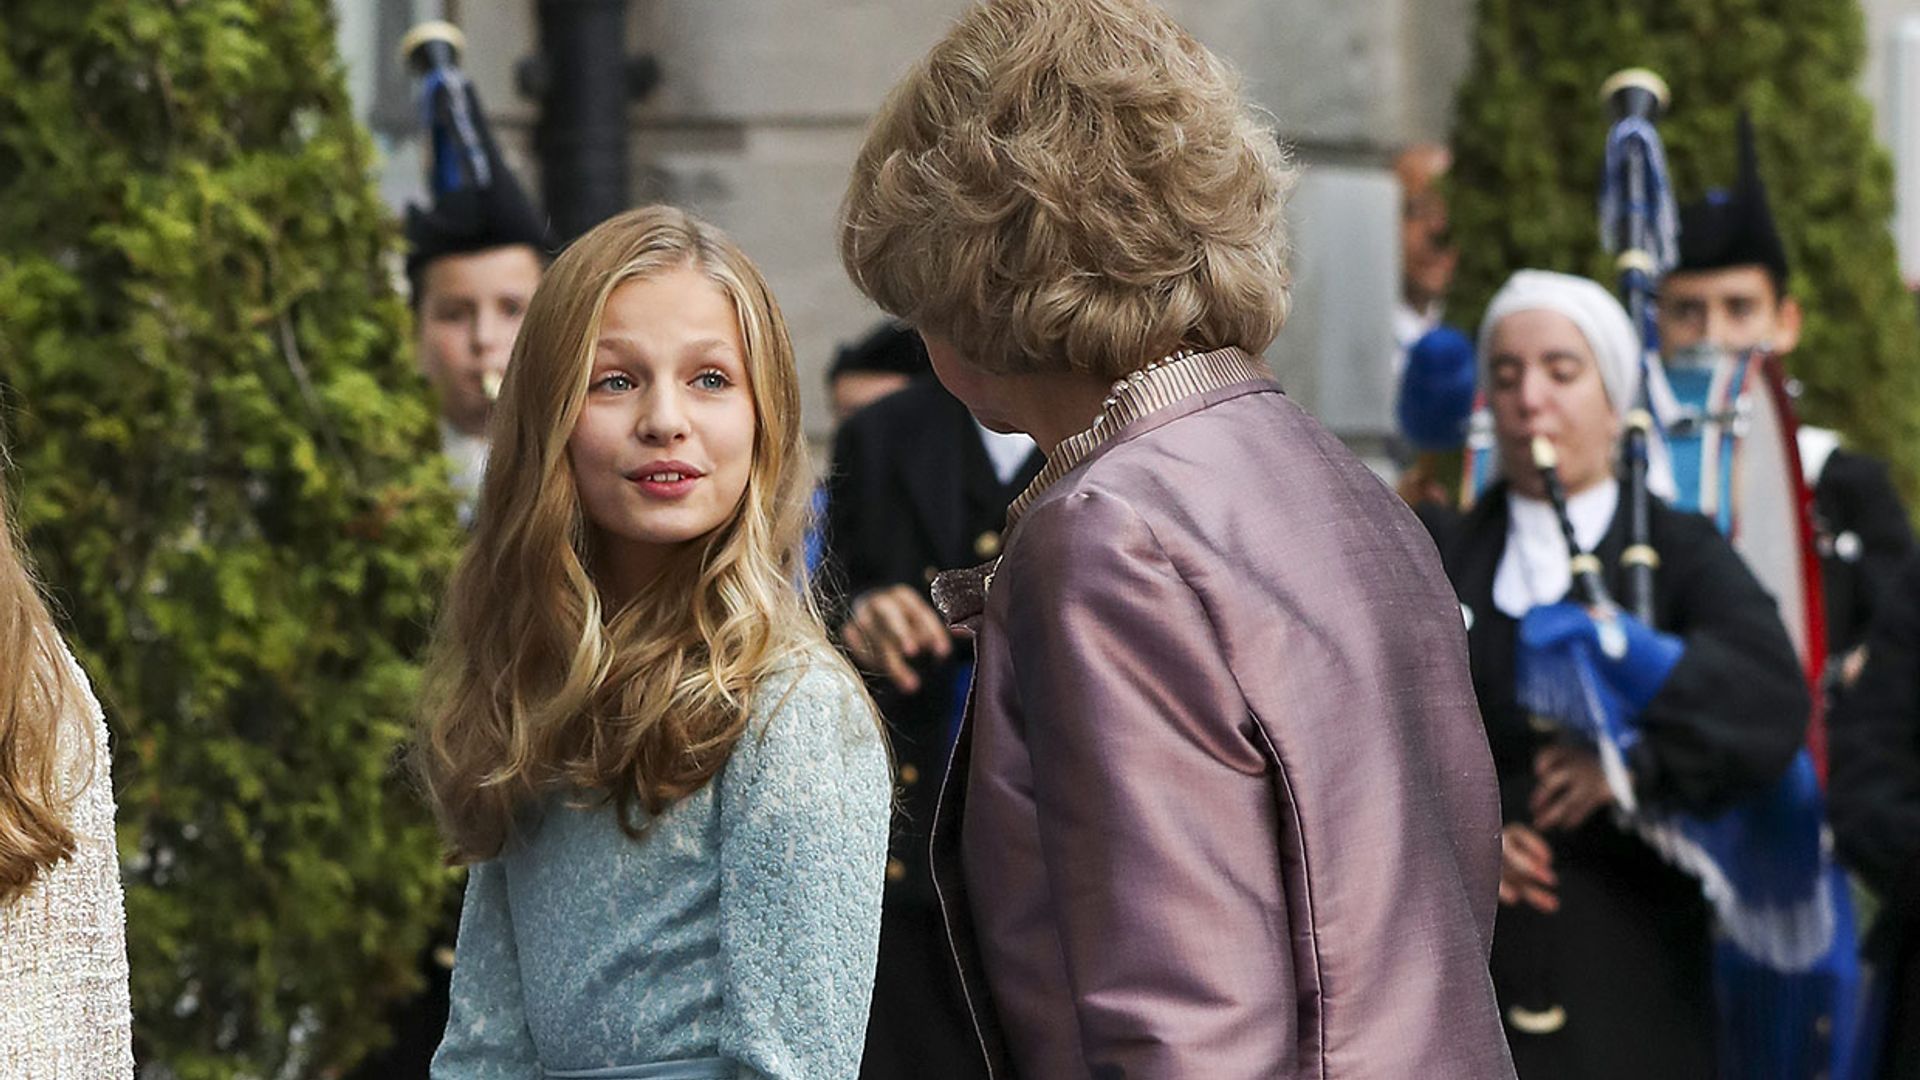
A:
[1531,134]
[228,471]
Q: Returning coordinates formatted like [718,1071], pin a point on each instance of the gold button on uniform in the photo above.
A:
[1537,1021]
[896,870]
[987,544]
[909,774]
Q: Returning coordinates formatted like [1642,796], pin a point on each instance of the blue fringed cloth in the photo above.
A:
[1786,962]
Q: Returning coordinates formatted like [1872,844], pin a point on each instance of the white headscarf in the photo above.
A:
[1609,333]
[1601,319]
[1533,567]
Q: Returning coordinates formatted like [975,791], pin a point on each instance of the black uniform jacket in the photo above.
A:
[912,493]
[1864,537]
[1874,802]
[1618,982]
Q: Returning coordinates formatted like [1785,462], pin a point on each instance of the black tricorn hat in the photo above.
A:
[891,347]
[477,203]
[1734,228]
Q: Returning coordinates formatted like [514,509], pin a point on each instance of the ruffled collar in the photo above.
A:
[961,595]
[1157,386]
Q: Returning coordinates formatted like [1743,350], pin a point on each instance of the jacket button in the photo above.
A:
[987,544]
[1537,1021]
[896,870]
[909,774]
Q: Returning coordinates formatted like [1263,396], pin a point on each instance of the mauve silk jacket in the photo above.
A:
[1222,805]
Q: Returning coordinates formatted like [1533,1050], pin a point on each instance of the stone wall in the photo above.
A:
[762,105]
[763,102]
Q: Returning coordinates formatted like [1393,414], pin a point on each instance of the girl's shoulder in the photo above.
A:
[84,753]
[812,730]
[811,681]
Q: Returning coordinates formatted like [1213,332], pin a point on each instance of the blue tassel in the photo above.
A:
[1665,213]
[1591,673]
[459,156]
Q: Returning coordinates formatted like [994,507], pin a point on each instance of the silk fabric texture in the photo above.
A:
[1223,805]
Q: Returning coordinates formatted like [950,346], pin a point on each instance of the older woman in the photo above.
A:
[1222,805]
[1602,953]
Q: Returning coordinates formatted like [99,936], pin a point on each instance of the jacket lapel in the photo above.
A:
[956,912]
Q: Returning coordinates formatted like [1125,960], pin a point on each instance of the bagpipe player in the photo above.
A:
[1602,955]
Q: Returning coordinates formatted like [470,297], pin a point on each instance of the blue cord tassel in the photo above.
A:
[459,156]
[1664,243]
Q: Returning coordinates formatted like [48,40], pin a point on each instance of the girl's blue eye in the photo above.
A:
[615,382]
[712,380]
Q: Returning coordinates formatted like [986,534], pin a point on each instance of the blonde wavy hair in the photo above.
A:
[36,692]
[1071,186]
[533,685]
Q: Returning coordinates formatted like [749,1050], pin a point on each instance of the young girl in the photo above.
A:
[63,945]
[672,791]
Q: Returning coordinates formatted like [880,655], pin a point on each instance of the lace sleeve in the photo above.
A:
[63,943]
[803,819]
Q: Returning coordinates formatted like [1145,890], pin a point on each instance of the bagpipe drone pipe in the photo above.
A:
[1788,984]
[459,157]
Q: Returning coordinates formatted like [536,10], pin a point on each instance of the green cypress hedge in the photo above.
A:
[1530,137]
[227,468]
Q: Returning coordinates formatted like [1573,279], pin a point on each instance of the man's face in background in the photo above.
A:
[1736,308]
[1428,257]
[468,314]
[855,390]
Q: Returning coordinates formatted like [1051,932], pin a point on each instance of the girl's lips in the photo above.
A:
[651,484]
[667,479]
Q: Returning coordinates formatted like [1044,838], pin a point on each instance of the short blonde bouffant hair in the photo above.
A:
[1071,186]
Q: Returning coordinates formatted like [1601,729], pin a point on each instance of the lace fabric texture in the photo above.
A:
[743,926]
[64,1012]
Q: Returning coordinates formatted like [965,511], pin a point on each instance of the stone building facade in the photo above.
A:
[762,104]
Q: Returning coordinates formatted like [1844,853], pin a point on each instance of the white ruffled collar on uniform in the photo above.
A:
[1534,566]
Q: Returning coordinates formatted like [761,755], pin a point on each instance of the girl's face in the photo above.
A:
[1544,380]
[664,444]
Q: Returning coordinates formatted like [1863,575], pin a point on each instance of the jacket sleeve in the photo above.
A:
[803,847]
[1870,507]
[487,1036]
[1874,742]
[1733,713]
[1120,751]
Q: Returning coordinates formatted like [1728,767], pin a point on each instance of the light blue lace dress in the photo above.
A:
[737,939]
